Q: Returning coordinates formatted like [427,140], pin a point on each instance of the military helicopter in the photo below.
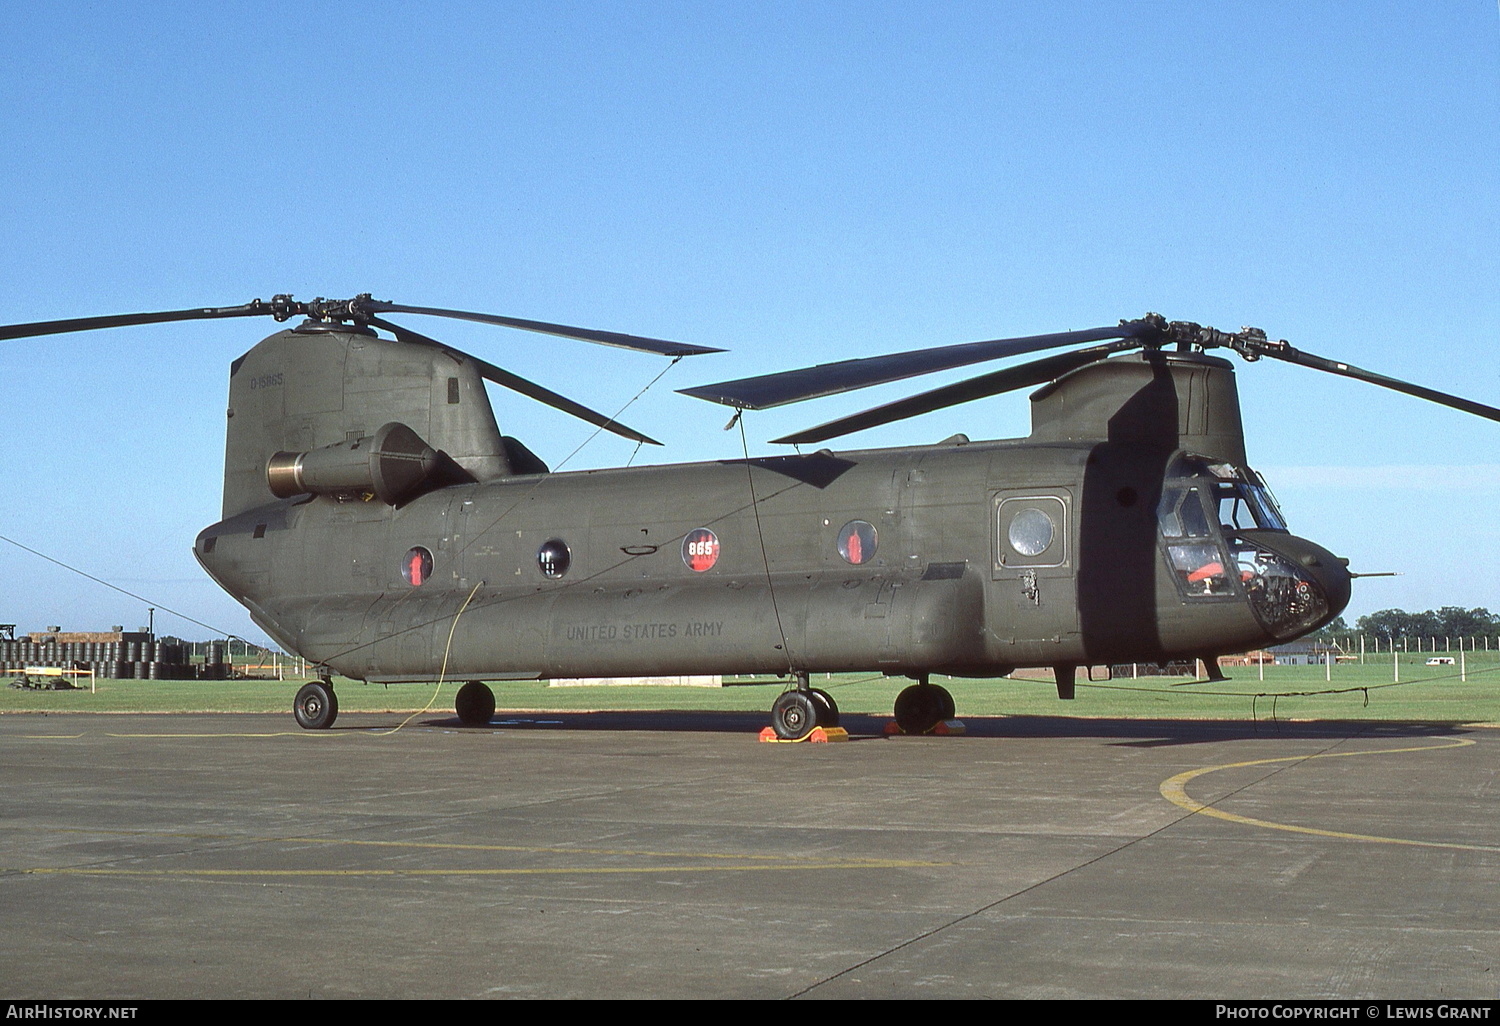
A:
[377,522]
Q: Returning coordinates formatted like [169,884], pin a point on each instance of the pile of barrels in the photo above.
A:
[144,659]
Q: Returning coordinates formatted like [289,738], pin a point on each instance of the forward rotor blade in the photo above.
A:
[252,309]
[1302,359]
[768,390]
[516,383]
[1036,372]
[608,338]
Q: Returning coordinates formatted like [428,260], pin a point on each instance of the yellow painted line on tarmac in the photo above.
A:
[229,733]
[742,862]
[1174,790]
[525,849]
[536,871]
[225,733]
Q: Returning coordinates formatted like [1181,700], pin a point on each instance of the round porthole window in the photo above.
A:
[1031,532]
[553,558]
[857,542]
[417,566]
[700,549]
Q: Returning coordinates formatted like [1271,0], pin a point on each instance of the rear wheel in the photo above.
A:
[316,706]
[475,704]
[921,707]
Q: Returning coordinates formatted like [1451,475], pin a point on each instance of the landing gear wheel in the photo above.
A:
[794,715]
[475,704]
[316,706]
[828,709]
[921,707]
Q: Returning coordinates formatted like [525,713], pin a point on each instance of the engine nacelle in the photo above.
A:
[391,465]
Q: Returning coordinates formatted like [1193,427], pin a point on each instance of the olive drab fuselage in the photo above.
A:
[1127,528]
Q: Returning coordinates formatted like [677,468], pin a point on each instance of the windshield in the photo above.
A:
[1240,499]
[1247,507]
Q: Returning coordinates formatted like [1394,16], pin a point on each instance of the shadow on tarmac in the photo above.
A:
[1133,733]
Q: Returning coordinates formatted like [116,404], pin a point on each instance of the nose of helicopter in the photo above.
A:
[1329,572]
[1295,585]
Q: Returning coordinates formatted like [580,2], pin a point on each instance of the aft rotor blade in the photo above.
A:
[1302,359]
[1036,372]
[252,309]
[768,390]
[516,383]
[608,338]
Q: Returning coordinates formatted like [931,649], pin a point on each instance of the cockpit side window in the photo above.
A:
[1181,514]
[1193,548]
[1199,569]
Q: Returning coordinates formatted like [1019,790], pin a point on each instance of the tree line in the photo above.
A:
[1448,622]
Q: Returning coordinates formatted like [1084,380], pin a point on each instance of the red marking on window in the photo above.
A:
[417,567]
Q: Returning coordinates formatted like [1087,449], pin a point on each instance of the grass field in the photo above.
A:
[1426,694]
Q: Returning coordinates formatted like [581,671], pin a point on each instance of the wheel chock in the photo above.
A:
[819,735]
[943,728]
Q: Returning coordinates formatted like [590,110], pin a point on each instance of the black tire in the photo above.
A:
[475,704]
[316,706]
[828,709]
[921,707]
[794,715]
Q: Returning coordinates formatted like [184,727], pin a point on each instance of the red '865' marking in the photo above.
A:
[700,549]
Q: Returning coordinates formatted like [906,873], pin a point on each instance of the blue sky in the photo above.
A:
[795,182]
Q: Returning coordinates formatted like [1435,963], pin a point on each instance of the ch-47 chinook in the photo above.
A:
[377,522]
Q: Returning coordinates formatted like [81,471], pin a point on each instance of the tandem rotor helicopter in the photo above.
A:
[377,522]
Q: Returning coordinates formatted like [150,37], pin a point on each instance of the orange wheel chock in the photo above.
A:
[819,735]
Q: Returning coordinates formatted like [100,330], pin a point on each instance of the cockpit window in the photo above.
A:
[1239,497]
[1247,507]
[1181,514]
[1267,512]
[1197,561]
[1199,569]
[1205,504]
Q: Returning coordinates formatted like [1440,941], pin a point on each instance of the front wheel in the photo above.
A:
[316,706]
[794,715]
